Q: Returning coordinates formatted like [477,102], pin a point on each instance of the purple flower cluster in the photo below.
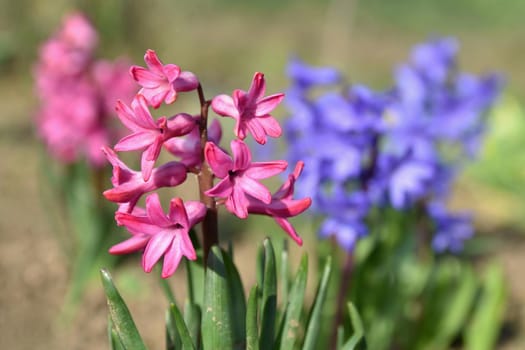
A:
[398,148]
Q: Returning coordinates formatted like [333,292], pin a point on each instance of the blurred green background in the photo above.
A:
[224,42]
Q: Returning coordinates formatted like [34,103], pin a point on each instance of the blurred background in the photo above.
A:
[224,42]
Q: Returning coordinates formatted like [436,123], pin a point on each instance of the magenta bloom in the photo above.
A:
[283,205]
[251,110]
[162,82]
[160,234]
[148,134]
[129,185]
[239,176]
[188,148]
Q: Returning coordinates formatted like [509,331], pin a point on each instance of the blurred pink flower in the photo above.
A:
[162,82]
[239,176]
[129,185]
[251,110]
[148,134]
[283,205]
[75,92]
[188,148]
[160,234]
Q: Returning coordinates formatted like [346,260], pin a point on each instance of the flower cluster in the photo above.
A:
[196,149]
[399,148]
[77,93]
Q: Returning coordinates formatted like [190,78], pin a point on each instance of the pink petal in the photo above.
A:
[270,125]
[126,116]
[215,131]
[263,170]
[133,244]
[289,229]
[257,87]
[153,62]
[238,203]
[149,156]
[172,258]
[155,211]
[256,129]
[268,104]
[123,193]
[187,81]
[145,78]
[242,156]
[219,162]
[195,210]
[136,141]
[155,96]
[142,114]
[254,189]
[223,189]
[224,105]
[155,248]
[181,124]
[136,224]
[171,71]
[177,213]
[286,190]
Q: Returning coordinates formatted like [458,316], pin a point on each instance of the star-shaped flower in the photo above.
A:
[148,134]
[239,176]
[282,205]
[160,234]
[251,110]
[162,82]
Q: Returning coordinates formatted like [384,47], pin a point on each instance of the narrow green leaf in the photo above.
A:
[173,341]
[314,320]
[290,331]
[114,340]
[269,298]
[284,274]
[237,302]
[195,279]
[216,318]
[482,332]
[120,315]
[192,317]
[357,326]
[340,337]
[184,334]
[252,329]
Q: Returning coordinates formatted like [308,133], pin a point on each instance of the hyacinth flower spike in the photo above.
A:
[162,82]
[148,134]
[282,205]
[239,176]
[251,110]
[129,185]
[160,234]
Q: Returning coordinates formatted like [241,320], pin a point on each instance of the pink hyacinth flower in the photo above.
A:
[149,135]
[239,176]
[129,185]
[160,234]
[283,205]
[251,110]
[162,82]
[188,148]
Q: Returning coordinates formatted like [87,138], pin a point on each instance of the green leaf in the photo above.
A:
[192,317]
[314,320]
[357,326]
[217,320]
[184,334]
[165,286]
[290,331]
[237,302]
[284,274]
[114,340]
[195,273]
[252,329]
[269,298]
[173,341]
[120,315]
[482,332]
